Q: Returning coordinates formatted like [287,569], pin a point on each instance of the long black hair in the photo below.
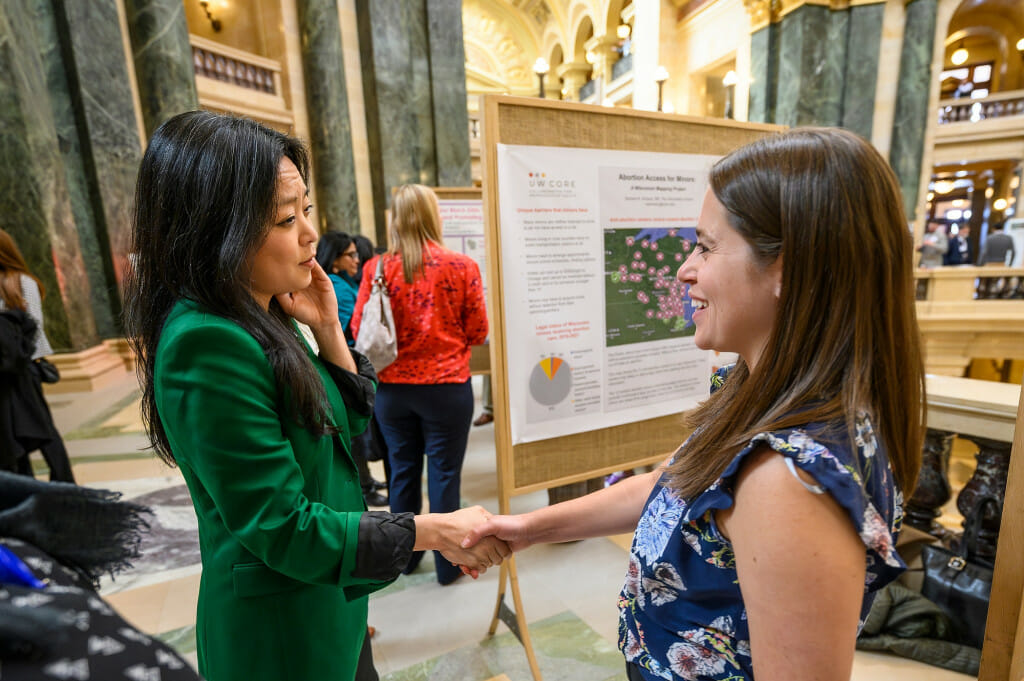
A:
[330,246]
[204,204]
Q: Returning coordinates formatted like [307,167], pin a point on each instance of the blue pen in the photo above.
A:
[14,571]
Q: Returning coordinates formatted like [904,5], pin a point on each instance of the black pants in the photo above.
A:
[365,671]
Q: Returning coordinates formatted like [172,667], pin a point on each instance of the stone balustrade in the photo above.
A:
[969,312]
[985,413]
[233,80]
[999,105]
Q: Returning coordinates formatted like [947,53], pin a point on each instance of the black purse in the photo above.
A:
[959,583]
[46,371]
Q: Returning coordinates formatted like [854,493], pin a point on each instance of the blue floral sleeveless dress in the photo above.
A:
[681,614]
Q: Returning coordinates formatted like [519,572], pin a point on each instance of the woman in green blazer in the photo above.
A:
[258,422]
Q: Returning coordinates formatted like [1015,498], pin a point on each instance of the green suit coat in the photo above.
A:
[278,508]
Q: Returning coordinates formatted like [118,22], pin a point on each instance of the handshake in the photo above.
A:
[471,537]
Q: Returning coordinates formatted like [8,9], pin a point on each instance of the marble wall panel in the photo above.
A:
[163,59]
[329,123]
[393,42]
[763,76]
[35,203]
[861,77]
[110,143]
[448,88]
[95,256]
[912,111]
[811,57]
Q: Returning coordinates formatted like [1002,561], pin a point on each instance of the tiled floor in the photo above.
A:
[424,631]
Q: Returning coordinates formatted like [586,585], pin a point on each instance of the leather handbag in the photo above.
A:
[377,340]
[959,583]
[46,371]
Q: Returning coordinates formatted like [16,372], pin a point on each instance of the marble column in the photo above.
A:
[763,73]
[163,59]
[104,109]
[35,202]
[448,87]
[329,124]
[812,56]
[414,106]
[911,116]
[860,79]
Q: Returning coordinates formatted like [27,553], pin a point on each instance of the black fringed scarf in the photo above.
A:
[89,530]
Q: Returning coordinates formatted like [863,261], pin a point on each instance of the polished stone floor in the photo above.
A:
[424,631]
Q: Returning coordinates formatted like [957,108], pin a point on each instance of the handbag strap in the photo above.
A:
[378,276]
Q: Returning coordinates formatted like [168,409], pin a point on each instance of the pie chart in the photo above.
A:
[550,381]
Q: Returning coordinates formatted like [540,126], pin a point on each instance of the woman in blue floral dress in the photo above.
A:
[760,543]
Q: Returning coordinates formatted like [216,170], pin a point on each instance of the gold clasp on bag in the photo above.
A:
[956,562]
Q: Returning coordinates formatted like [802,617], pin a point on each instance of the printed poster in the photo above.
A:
[599,331]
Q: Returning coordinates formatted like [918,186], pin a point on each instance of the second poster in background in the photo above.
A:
[598,329]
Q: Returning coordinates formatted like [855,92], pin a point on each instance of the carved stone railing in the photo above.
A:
[985,413]
[969,312]
[999,105]
[236,81]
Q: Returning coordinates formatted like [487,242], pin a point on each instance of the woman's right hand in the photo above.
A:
[510,529]
[445,532]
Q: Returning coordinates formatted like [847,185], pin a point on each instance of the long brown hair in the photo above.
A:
[12,266]
[415,220]
[845,337]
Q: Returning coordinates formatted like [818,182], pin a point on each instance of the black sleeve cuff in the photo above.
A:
[358,390]
[384,546]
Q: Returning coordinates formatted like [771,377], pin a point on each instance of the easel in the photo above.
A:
[539,465]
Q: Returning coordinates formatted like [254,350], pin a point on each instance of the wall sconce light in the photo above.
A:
[729,81]
[541,68]
[590,56]
[660,76]
[622,31]
[1020,45]
[943,187]
[215,23]
[959,55]
[999,204]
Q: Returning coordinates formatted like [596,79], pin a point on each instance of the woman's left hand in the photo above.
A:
[316,305]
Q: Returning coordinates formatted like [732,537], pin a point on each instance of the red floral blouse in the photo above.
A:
[438,317]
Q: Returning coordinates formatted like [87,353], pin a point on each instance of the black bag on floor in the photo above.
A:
[959,583]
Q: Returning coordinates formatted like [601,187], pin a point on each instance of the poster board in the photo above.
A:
[530,466]
[463,227]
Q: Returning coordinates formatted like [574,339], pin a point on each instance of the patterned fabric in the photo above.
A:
[438,317]
[681,613]
[34,307]
[67,632]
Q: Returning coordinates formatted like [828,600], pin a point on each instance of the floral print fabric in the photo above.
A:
[681,613]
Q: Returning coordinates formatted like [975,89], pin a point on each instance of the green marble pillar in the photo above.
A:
[163,59]
[763,73]
[414,93]
[861,72]
[35,202]
[94,254]
[329,125]
[448,88]
[104,110]
[811,61]
[911,115]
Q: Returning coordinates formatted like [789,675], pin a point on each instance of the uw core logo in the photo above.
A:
[541,181]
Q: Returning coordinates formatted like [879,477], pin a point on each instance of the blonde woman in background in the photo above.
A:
[424,400]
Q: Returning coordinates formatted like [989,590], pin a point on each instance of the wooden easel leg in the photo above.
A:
[515,621]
